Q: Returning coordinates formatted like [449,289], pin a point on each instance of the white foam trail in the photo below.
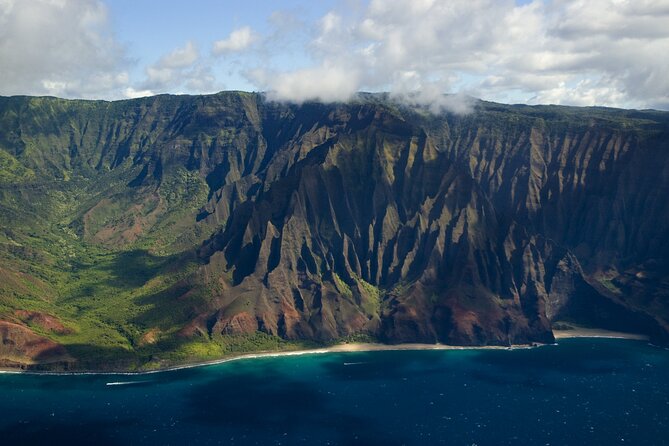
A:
[125,383]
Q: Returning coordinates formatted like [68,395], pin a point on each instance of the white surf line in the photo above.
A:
[125,383]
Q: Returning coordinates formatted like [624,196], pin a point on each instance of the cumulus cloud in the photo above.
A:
[600,52]
[66,48]
[179,70]
[238,40]
[595,52]
[131,93]
[180,57]
[62,48]
[323,83]
[168,70]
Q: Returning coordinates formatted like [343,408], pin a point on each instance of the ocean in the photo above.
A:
[580,392]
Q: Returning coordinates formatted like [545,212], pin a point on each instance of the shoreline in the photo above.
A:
[339,348]
[350,348]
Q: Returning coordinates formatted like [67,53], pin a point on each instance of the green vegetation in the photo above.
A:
[371,297]
[342,287]
[357,338]
[11,171]
[199,350]
[609,285]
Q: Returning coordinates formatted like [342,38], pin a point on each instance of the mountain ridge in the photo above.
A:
[174,228]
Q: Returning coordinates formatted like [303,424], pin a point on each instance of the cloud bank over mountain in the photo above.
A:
[599,52]
[63,48]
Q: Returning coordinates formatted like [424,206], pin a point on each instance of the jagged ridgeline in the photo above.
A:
[174,228]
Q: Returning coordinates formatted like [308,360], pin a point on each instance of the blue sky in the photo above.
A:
[150,28]
[594,52]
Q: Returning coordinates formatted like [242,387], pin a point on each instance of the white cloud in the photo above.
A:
[595,52]
[131,93]
[180,70]
[66,48]
[584,92]
[238,40]
[323,83]
[180,57]
[60,48]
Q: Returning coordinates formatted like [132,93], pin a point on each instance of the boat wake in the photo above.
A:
[125,383]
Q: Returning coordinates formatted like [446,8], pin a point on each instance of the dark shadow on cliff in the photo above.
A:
[89,357]
[123,271]
[131,269]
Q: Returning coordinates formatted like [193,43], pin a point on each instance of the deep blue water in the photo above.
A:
[580,392]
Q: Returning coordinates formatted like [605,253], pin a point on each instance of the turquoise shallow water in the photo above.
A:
[580,392]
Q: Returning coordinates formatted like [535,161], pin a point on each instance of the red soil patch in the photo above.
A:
[43,320]
[20,345]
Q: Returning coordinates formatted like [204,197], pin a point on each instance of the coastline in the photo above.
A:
[575,332]
[339,348]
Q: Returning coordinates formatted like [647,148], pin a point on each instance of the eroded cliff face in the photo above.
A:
[323,221]
[466,230]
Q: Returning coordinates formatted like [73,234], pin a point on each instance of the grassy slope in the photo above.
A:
[121,302]
[115,302]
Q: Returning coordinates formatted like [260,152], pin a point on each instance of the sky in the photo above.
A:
[573,52]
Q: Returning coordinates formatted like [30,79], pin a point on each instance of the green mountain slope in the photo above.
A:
[170,229]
